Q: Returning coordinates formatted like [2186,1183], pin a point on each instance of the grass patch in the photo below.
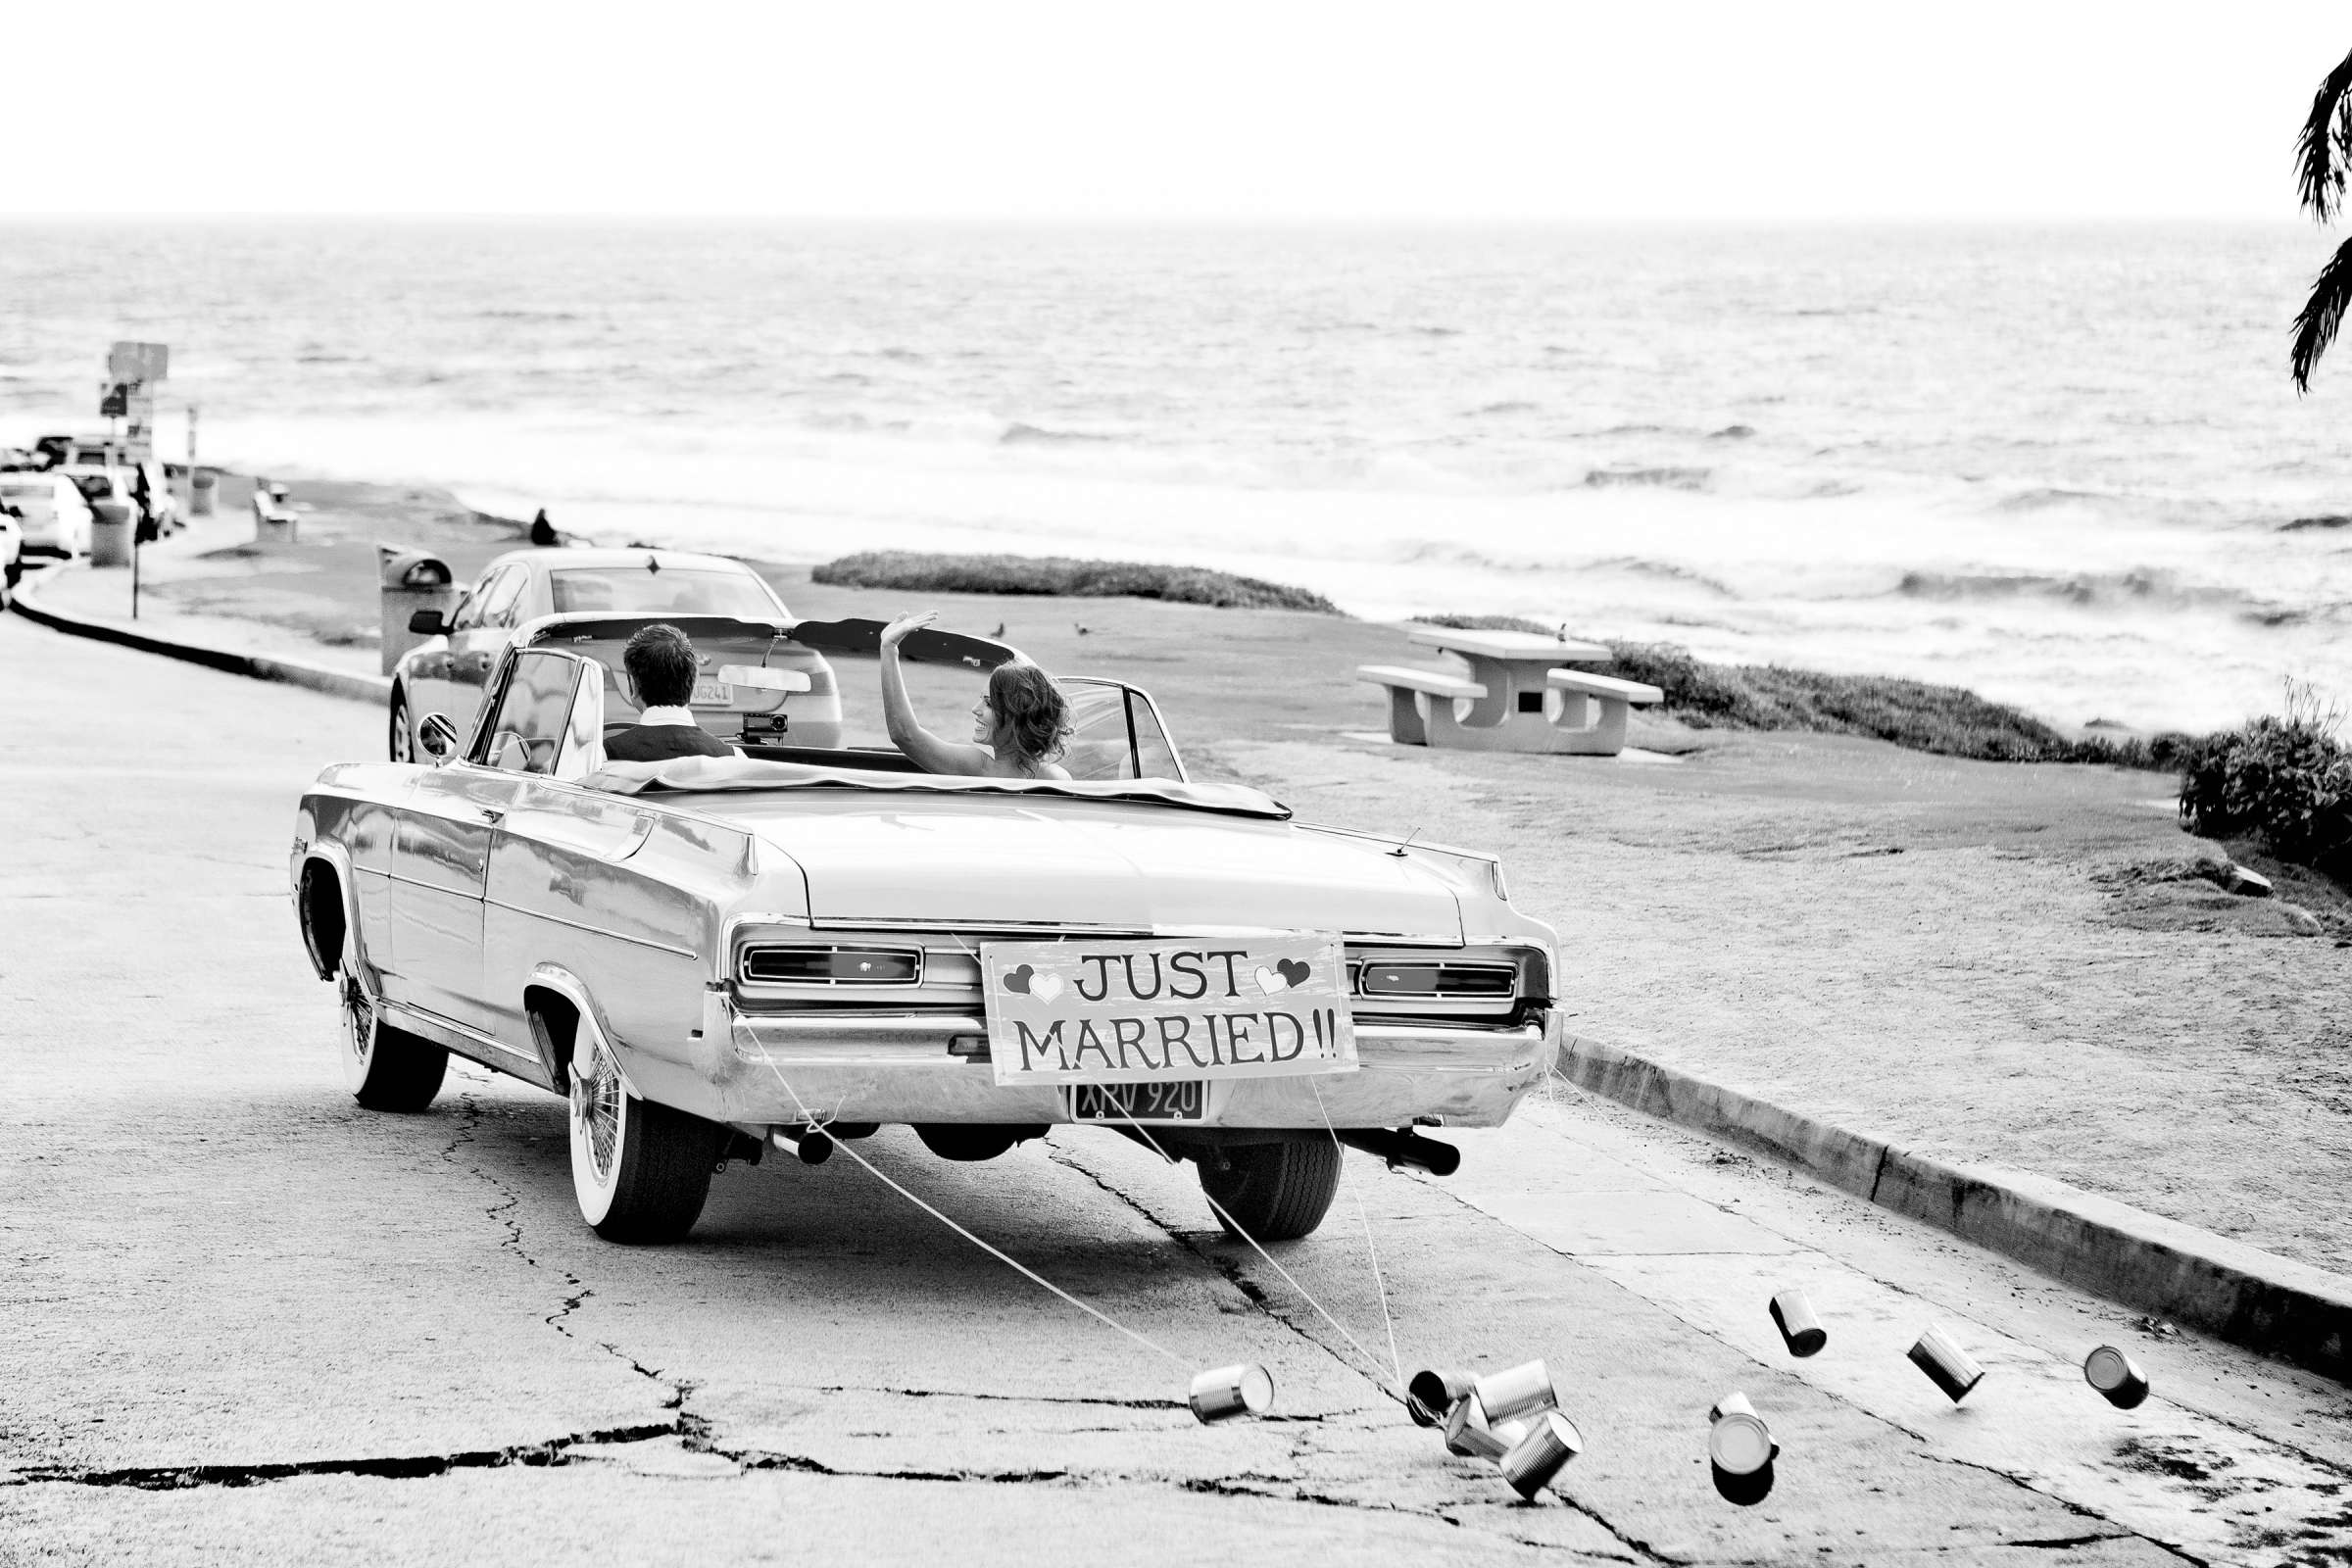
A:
[1947,720]
[918,571]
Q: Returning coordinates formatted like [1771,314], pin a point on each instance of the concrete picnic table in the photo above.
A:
[1510,673]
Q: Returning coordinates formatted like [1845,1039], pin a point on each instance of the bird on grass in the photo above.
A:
[999,631]
[1082,628]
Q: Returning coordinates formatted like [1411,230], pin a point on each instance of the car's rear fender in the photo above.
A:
[554,1000]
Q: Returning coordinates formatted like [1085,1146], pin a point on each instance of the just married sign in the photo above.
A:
[1113,1012]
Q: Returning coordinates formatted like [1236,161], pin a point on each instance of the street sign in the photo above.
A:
[115,402]
[139,363]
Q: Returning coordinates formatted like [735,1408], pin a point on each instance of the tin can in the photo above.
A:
[2116,1376]
[1738,1443]
[1731,1404]
[1799,1325]
[1515,1391]
[1535,1458]
[1469,1434]
[1223,1392]
[1433,1393]
[1947,1365]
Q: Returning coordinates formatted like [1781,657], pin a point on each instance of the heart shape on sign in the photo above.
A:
[1046,987]
[1295,970]
[1017,980]
[1269,982]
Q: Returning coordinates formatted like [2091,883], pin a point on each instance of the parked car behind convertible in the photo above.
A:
[448,672]
[714,956]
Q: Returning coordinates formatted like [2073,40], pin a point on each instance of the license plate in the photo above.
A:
[1161,1102]
[710,693]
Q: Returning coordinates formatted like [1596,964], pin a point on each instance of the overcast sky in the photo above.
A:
[1108,108]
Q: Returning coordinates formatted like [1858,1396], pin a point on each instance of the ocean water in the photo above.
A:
[2062,465]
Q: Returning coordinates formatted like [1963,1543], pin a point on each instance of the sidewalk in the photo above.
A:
[1920,955]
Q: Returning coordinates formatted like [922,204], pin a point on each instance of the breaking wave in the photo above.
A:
[1658,478]
[2140,588]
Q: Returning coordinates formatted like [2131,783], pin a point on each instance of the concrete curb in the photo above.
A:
[2267,1304]
[259,667]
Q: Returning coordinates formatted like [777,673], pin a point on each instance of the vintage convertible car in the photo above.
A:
[716,956]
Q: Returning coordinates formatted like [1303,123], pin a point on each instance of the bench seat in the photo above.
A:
[1413,692]
[1606,686]
[1435,682]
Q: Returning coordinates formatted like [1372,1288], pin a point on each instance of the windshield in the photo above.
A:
[673,590]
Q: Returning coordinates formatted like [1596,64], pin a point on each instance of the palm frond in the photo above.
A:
[2322,314]
[2324,145]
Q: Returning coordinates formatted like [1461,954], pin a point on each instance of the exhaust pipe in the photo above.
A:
[813,1145]
[1405,1148]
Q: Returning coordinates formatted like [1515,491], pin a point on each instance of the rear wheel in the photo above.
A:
[640,1171]
[386,1068]
[402,740]
[1274,1192]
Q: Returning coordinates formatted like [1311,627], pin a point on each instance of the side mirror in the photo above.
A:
[428,623]
[436,734]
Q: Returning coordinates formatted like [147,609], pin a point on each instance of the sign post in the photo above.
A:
[134,369]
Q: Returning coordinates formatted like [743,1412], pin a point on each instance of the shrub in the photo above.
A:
[920,571]
[2284,780]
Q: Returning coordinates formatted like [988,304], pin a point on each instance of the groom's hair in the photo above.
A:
[661,665]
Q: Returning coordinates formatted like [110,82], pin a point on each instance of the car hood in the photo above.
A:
[978,861]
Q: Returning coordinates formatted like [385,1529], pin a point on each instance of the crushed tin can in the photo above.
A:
[1799,1325]
[1947,1365]
[2116,1376]
[1433,1393]
[1515,1391]
[1535,1458]
[1469,1434]
[1223,1392]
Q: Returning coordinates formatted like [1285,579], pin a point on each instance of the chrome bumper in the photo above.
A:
[771,1068]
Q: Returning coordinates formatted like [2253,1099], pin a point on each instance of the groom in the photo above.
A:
[661,665]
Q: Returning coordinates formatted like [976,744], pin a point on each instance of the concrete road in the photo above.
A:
[246,1321]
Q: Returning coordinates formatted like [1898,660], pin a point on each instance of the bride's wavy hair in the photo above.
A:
[1031,712]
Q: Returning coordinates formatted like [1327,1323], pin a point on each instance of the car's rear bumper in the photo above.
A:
[897,1069]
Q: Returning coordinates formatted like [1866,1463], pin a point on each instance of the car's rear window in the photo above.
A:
[676,590]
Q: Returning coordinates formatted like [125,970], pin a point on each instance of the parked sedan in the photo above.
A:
[12,556]
[714,956]
[54,516]
[448,671]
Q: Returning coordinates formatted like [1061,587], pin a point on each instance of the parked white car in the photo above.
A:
[56,519]
[717,600]
[12,558]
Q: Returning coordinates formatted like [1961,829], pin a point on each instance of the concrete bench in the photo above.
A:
[1410,692]
[1602,733]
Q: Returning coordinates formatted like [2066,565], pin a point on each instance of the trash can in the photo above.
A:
[200,493]
[110,525]
[410,580]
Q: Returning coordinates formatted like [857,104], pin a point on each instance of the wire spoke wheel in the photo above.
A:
[385,1068]
[359,1031]
[640,1170]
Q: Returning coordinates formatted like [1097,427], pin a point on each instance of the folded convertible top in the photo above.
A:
[712,773]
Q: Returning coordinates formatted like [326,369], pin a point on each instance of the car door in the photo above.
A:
[481,633]
[442,840]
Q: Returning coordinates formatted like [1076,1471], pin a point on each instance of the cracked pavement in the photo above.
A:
[250,1322]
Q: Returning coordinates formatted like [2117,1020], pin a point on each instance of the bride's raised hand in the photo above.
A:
[896,632]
